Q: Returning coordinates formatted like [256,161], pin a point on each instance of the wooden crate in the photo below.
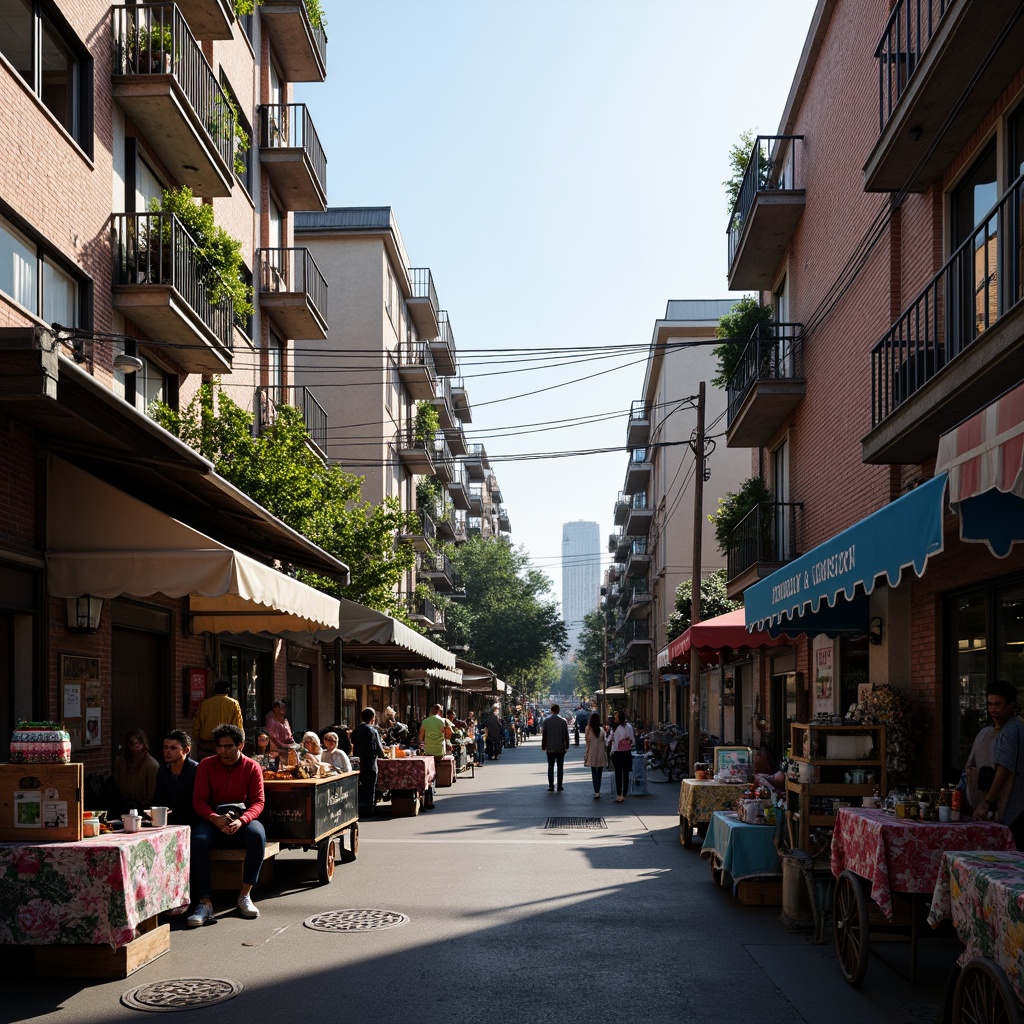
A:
[760,892]
[101,961]
[41,802]
[405,807]
[445,772]
[227,865]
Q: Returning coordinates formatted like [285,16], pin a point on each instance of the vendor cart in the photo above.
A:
[314,813]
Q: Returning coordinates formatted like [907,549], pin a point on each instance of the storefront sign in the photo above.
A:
[823,652]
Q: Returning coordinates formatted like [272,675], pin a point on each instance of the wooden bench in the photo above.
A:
[226,867]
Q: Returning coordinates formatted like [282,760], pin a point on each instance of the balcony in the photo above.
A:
[638,561]
[476,499]
[270,400]
[766,386]
[623,542]
[766,212]
[456,439]
[439,571]
[291,154]
[474,526]
[460,396]
[422,304]
[444,462]
[613,541]
[637,636]
[638,429]
[442,401]
[957,346]
[504,524]
[941,66]
[637,680]
[299,45]
[416,371]
[415,452]
[443,347]
[638,521]
[423,536]
[166,86]
[638,471]
[293,292]
[638,600]
[621,510]
[423,611]
[459,489]
[494,488]
[763,541]
[476,461]
[159,286]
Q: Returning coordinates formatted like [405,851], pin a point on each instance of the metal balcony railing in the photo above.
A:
[416,353]
[289,126]
[422,282]
[156,248]
[637,456]
[154,39]
[408,439]
[767,533]
[293,270]
[638,410]
[639,500]
[976,286]
[639,546]
[269,399]
[423,607]
[906,36]
[771,167]
[774,352]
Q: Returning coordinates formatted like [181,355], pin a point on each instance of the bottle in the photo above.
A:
[954,805]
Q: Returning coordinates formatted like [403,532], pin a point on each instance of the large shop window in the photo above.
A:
[251,676]
[31,277]
[40,45]
[986,631]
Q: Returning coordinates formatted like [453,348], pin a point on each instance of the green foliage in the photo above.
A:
[713,602]
[732,508]
[430,496]
[739,155]
[428,422]
[246,6]
[317,17]
[590,653]
[218,255]
[739,325]
[324,503]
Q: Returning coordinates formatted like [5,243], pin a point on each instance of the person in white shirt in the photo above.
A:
[621,743]
[333,754]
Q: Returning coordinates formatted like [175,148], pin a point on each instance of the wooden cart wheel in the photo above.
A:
[685,831]
[325,861]
[850,926]
[983,995]
[349,855]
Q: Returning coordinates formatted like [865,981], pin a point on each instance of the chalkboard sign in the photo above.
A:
[309,810]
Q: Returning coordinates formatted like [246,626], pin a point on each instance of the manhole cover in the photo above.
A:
[354,920]
[921,1012]
[576,823]
[181,994]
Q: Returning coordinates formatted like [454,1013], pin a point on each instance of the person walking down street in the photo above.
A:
[220,709]
[227,800]
[622,740]
[1001,701]
[554,741]
[575,733]
[367,746]
[595,756]
[434,732]
[494,727]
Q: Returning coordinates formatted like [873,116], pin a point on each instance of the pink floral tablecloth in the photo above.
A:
[698,801]
[94,892]
[900,855]
[983,893]
[405,773]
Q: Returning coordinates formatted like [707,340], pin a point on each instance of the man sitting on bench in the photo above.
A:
[228,798]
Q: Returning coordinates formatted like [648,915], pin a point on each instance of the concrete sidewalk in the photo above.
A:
[508,915]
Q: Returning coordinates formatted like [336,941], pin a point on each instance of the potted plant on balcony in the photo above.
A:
[734,506]
[151,48]
[428,422]
[738,325]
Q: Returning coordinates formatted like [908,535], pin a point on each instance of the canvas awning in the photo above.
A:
[903,534]
[984,458]
[104,542]
[722,631]
[611,691]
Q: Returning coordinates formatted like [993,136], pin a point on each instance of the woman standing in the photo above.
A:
[596,755]
[622,740]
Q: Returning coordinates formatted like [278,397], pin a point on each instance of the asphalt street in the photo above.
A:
[500,917]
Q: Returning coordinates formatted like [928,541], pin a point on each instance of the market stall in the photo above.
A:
[412,775]
[746,852]
[893,862]
[698,801]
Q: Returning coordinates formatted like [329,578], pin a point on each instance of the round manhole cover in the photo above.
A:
[181,994]
[354,920]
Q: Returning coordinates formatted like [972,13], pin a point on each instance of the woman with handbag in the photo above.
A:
[621,741]
[595,756]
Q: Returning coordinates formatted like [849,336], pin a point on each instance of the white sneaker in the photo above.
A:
[200,915]
[247,908]
[597,796]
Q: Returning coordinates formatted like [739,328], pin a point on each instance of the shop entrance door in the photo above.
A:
[138,687]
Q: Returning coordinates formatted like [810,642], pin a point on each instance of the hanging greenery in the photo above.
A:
[739,325]
[428,422]
[734,506]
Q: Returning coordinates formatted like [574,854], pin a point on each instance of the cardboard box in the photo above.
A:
[405,807]
[760,892]
[41,802]
[445,771]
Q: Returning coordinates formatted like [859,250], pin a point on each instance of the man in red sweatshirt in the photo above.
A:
[228,778]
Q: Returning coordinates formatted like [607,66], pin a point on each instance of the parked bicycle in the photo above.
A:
[668,753]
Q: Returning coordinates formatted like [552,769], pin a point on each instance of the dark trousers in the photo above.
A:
[367,790]
[595,774]
[207,837]
[556,757]
[622,760]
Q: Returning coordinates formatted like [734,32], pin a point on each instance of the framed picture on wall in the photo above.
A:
[79,689]
[733,757]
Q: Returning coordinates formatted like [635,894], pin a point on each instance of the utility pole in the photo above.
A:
[698,530]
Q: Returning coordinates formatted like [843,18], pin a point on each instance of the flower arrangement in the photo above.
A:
[904,722]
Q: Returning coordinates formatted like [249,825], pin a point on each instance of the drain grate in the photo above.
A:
[354,920]
[576,823]
[181,994]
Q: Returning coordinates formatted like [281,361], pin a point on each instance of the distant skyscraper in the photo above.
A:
[581,575]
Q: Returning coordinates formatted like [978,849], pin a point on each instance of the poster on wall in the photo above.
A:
[79,685]
[93,727]
[823,652]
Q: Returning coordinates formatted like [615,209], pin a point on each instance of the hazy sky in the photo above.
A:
[558,164]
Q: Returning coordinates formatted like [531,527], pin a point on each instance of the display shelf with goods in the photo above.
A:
[831,766]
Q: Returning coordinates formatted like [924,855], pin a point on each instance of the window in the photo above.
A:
[389,291]
[31,277]
[275,364]
[783,528]
[243,158]
[148,385]
[53,63]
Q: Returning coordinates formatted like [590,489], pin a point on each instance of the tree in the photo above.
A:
[739,157]
[713,602]
[590,652]
[324,503]
[738,325]
[508,621]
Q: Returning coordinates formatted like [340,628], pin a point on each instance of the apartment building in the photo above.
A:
[654,512]
[581,576]
[884,405]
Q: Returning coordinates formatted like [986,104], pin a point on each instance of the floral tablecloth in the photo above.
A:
[405,773]
[983,893]
[94,892]
[699,800]
[902,855]
[745,851]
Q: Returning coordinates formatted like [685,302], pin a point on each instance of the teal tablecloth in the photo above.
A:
[745,851]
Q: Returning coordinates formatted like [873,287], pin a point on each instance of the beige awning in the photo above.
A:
[104,542]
